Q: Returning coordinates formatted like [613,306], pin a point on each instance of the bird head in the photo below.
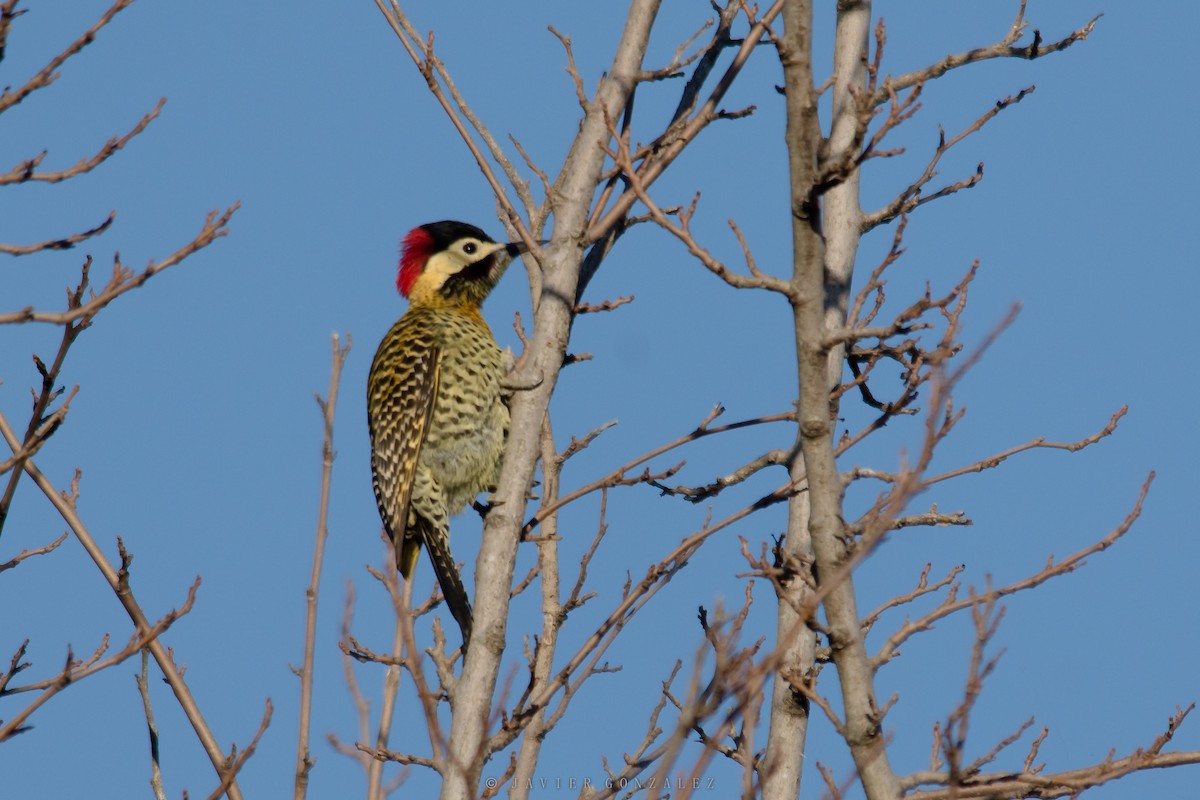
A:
[451,260]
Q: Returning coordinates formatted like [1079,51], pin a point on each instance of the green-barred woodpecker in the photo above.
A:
[437,416]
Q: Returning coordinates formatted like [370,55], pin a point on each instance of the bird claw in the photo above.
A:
[485,507]
[515,382]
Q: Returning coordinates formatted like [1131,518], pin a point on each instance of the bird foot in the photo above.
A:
[516,382]
[486,506]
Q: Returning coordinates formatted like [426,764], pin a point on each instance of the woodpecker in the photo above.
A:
[438,419]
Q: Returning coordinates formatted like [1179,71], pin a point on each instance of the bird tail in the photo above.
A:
[438,545]
[408,548]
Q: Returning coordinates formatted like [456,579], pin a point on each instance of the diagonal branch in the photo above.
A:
[617,476]
[673,143]
[1052,569]
[436,74]
[912,196]
[25,171]
[1005,48]
[124,279]
[64,243]
[71,674]
[64,503]
[49,73]
[1031,782]
[24,554]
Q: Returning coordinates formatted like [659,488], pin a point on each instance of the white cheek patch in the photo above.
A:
[440,267]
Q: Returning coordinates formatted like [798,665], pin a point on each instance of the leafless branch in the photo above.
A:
[1039,443]
[39,433]
[8,12]
[571,69]
[40,427]
[26,170]
[64,504]
[49,73]
[15,667]
[38,686]
[74,672]
[912,197]
[361,706]
[541,662]
[618,476]
[24,554]
[1068,783]
[1052,569]
[1004,48]
[455,106]
[686,127]
[607,305]
[682,230]
[64,243]
[143,684]
[923,588]
[124,279]
[699,494]
[932,517]
[238,760]
[304,760]
[674,69]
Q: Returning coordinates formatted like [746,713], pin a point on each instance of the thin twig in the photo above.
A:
[26,170]
[124,279]
[49,73]
[304,760]
[143,684]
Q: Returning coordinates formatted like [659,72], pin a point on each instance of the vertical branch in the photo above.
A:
[401,604]
[552,325]
[783,760]
[543,655]
[143,684]
[304,760]
[862,729]
[842,223]
[48,392]
[788,729]
[362,708]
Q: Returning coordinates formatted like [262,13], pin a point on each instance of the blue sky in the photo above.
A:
[199,440]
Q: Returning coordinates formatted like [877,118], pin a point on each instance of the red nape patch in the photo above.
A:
[415,250]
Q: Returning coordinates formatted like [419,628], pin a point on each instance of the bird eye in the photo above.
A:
[469,248]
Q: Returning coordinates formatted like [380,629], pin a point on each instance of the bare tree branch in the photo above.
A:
[124,279]
[238,760]
[952,604]
[1004,48]
[24,554]
[668,147]
[1069,783]
[65,243]
[49,73]
[436,74]
[25,171]
[73,673]
[143,684]
[64,504]
[304,759]
[912,197]
[618,476]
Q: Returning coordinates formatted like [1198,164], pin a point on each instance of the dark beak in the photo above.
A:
[515,249]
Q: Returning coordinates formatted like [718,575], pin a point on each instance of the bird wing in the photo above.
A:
[403,389]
